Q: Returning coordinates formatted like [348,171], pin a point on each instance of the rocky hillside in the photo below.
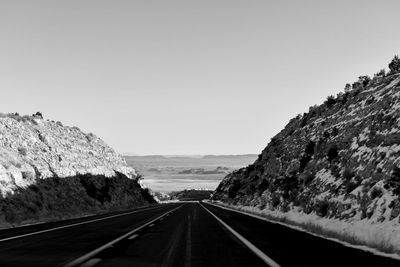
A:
[44,164]
[340,161]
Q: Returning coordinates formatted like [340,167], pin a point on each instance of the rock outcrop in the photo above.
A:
[340,161]
[32,148]
[37,155]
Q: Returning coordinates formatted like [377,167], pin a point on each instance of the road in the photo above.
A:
[178,234]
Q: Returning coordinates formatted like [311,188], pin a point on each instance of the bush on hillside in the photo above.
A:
[394,65]
[321,207]
[364,80]
[38,115]
[394,181]
[22,151]
[330,101]
[381,73]
[348,174]
[333,152]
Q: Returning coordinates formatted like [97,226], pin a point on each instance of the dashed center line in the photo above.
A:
[91,262]
[151,225]
[133,236]
[85,259]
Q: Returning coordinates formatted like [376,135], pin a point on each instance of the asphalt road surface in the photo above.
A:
[178,234]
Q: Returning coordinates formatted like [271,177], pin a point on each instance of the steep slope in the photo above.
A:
[49,170]
[336,167]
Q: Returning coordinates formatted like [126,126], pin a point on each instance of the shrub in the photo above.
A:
[335,170]
[394,65]
[234,188]
[263,185]
[333,152]
[345,97]
[275,200]
[348,174]
[356,85]
[381,73]
[347,87]
[335,131]
[306,177]
[350,186]
[376,192]
[38,115]
[308,152]
[394,181]
[321,207]
[364,80]
[310,148]
[370,100]
[22,151]
[330,101]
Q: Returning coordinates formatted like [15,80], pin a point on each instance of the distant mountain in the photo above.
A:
[183,157]
[336,166]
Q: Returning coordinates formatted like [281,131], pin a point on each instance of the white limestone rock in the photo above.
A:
[33,148]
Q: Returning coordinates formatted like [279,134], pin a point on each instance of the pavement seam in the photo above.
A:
[88,256]
[270,262]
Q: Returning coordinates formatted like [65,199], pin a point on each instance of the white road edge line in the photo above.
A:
[270,262]
[75,224]
[89,255]
[298,228]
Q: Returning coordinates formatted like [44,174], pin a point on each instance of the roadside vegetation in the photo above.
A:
[357,234]
[54,199]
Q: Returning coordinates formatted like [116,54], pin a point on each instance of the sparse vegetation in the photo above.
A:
[364,80]
[330,101]
[333,152]
[394,65]
[20,118]
[60,198]
[22,151]
[322,207]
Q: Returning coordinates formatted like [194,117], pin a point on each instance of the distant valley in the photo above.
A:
[177,173]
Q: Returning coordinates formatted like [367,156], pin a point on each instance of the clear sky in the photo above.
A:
[187,77]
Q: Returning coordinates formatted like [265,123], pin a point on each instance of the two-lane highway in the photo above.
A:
[189,237]
[180,234]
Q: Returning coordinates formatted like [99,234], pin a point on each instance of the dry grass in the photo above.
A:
[383,238]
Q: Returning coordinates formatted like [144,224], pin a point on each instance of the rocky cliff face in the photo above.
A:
[47,168]
[339,161]
[32,148]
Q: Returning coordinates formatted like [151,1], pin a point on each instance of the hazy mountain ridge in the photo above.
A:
[166,173]
[340,161]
